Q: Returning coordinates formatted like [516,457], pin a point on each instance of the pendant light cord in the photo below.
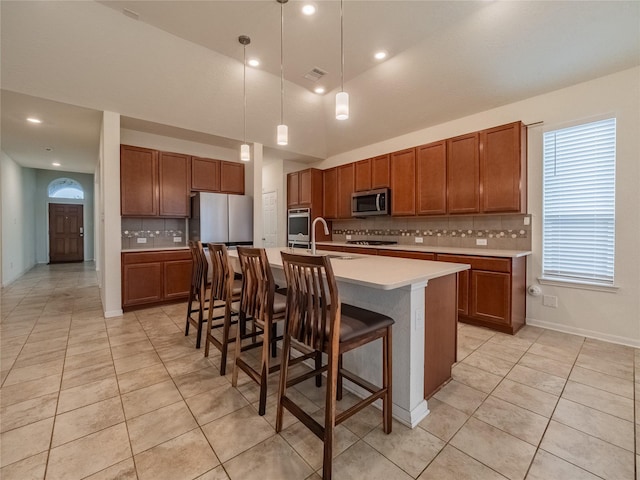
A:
[281,64]
[244,92]
[341,46]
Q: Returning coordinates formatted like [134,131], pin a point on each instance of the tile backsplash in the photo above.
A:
[503,232]
[145,233]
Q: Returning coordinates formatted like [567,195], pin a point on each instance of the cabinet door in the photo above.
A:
[142,283]
[138,181]
[363,175]
[205,175]
[232,177]
[292,189]
[431,179]
[330,193]
[490,296]
[177,279]
[380,172]
[463,174]
[305,189]
[173,184]
[463,292]
[403,186]
[345,189]
[502,165]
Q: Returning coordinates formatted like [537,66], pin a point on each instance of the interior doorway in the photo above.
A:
[66,233]
[270,219]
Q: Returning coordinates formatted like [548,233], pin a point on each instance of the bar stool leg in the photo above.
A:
[318,365]
[339,388]
[282,388]
[225,338]
[330,413]
[386,381]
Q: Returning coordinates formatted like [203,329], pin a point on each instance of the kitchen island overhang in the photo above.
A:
[421,296]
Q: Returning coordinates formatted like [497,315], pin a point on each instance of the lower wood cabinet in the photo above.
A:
[153,278]
[492,294]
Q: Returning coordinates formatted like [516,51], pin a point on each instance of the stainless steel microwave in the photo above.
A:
[372,202]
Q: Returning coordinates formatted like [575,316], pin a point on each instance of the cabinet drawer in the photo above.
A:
[479,263]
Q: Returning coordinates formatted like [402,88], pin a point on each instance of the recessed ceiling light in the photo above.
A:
[309,8]
[56,164]
[319,90]
[380,55]
[34,120]
[253,62]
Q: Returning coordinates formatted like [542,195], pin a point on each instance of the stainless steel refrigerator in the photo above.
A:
[221,218]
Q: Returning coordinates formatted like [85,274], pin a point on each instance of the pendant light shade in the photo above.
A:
[245,151]
[342,97]
[283,135]
[282,132]
[342,106]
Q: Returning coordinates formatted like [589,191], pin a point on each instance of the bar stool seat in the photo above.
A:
[316,318]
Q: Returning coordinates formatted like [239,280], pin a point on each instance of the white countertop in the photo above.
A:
[156,249]
[385,273]
[480,252]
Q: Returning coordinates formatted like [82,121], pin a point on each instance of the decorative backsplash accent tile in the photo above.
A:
[145,233]
[504,232]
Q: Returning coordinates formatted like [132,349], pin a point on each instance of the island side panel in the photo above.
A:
[441,324]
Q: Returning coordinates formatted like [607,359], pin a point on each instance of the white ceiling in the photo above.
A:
[448,59]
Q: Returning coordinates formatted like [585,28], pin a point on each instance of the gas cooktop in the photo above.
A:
[371,242]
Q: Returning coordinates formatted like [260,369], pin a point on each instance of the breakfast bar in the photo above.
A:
[421,297]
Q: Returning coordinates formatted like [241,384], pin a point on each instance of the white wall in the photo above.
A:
[611,316]
[42,201]
[18,186]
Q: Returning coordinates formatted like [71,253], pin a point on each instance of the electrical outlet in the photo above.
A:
[348,237]
[481,241]
[419,240]
[550,301]
[527,220]
[141,240]
[177,239]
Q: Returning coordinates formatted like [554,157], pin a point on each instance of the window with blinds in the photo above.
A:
[578,238]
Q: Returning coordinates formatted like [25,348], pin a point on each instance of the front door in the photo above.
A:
[66,233]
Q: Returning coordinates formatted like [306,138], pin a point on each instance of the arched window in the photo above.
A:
[66,188]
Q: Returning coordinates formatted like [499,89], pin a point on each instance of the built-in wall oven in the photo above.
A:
[298,227]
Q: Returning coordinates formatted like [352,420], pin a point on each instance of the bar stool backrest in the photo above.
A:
[203,265]
[313,303]
[195,269]
[222,279]
[258,286]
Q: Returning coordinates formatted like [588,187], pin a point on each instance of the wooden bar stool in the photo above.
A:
[260,304]
[199,291]
[315,317]
[225,289]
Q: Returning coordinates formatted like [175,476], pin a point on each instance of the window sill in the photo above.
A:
[578,284]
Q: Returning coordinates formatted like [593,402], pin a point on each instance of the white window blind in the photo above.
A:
[578,238]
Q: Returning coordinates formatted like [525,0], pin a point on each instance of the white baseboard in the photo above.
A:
[113,313]
[584,332]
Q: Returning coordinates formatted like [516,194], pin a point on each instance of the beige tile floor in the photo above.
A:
[130,397]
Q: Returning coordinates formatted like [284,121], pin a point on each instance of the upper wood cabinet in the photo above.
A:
[463,174]
[380,172]
[503,168]
[403,186]
[173,184]
[363,175]
[232,177]
[431,179]
[330,192]
[153,183]
[304,189]
[138,181]
[372,173]
[346,179]
[205,175]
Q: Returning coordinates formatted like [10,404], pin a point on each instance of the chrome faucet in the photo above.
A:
[313,232]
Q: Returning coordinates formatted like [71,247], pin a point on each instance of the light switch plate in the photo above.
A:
[481,241]
[177,239]
[419,240]
[527,220]
[141,240]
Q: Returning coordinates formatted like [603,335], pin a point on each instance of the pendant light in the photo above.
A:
[342,97]
[245,152]
[282,130]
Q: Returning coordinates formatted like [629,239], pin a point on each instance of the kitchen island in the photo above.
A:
[421,296]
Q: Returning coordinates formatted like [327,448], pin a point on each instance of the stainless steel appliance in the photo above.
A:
[221,218]
[372,202]
[298,227]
